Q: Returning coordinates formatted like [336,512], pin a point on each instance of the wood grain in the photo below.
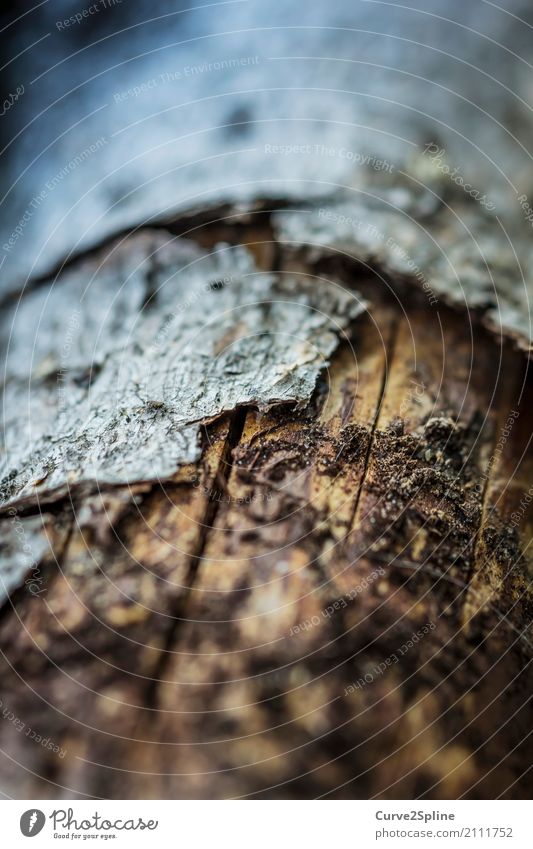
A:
[332,602]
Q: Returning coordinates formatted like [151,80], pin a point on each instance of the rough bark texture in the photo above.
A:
[331,598]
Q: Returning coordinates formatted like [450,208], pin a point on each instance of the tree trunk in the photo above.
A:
[327,595]
[267,476]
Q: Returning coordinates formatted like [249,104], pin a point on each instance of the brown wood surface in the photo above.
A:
[204,637]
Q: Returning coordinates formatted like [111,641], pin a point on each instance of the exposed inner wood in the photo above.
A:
[240,630]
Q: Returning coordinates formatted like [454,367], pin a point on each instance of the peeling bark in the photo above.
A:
[455,253]
[112,367]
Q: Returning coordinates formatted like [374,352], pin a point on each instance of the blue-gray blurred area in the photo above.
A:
[133,110]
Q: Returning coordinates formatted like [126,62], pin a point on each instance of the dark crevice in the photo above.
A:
[188,225]
[389,355]
[151,289]
[279,254]
[55,502]
[48,568]
[178,612]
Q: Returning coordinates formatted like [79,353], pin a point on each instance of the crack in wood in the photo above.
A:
[387,366]
[178,610]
